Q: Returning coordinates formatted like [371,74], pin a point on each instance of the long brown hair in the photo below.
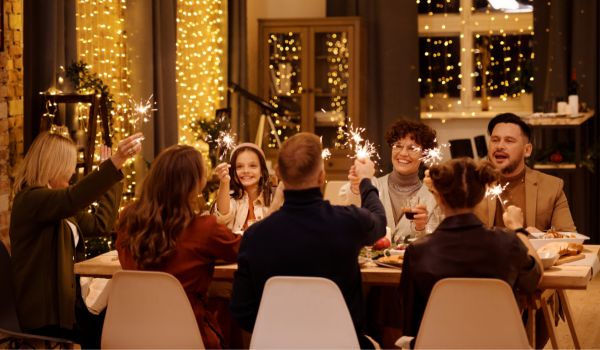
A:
[264,185]
[167,205]
[462,182]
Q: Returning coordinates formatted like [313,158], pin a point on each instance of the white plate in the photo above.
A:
[537,243]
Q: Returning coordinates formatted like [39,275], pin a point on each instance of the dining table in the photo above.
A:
[555,280]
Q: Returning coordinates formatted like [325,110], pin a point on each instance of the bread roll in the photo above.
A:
[562,248]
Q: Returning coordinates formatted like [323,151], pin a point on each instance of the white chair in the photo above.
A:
[468,313]
[332,192]
[303,313]
[148,309]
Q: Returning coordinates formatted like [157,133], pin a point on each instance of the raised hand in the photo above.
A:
[222,172]
[127,148]
[354,180]
[513,217]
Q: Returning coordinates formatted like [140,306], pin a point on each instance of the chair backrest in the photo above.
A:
[8,310]
[332,192]
[481,146]
[303,313]
[471,313]
[148,309]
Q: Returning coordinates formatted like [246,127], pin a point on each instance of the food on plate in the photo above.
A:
[561,248]
[396,260]
[555,234]
[381,244]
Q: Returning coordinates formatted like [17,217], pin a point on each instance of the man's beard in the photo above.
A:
[512,166]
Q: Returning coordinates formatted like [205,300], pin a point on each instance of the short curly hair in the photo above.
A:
[424,136]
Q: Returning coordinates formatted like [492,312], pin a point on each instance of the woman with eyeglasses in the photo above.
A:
[409,206]
[410,209]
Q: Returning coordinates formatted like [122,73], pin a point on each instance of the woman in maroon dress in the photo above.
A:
[162,231]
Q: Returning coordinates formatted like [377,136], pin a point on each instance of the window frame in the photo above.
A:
[465,25]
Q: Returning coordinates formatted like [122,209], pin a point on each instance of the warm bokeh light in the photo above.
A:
[201,64]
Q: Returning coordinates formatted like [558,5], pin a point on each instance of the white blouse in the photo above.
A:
[238,212]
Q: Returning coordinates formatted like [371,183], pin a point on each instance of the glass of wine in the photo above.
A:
[408,208]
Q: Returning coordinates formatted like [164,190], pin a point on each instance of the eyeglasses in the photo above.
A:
[411,149]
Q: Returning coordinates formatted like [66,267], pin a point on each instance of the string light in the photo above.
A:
[200,65]
[285,50]
[503,56]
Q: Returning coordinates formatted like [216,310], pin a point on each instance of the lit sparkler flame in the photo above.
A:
[433,156]
[142,111]
[225,143]
[363,149]
[496,192]
[325,153]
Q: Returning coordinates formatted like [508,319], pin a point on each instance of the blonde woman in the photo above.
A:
[47,228]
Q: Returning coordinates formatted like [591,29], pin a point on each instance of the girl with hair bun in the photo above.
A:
[462,246]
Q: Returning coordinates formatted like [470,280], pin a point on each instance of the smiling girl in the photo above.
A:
[245,194]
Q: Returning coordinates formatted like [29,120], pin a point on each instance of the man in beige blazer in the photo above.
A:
[541,196]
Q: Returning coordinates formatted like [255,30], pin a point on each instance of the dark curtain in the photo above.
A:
[49,42]
[164,29]
[567,37]
[392,88]
[237,65]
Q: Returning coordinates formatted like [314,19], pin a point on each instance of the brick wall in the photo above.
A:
[11,105]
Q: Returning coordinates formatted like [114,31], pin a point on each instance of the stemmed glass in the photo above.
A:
[407,207]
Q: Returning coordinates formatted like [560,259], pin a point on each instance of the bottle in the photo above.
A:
[573,91]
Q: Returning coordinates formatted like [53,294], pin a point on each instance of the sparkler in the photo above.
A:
[433,156]
[363,149]
[141,111]
[325,153]
[496,192]
[225,143]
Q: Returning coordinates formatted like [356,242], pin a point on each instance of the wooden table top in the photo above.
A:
[575,275]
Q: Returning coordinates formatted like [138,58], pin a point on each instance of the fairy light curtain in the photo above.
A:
[102,45]
[201,65]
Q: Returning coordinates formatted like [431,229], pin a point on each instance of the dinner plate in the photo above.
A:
[538,242]
[391,266]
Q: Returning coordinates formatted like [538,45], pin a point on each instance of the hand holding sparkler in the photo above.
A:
[364,168]
[354,180]
[127,148]
[513,217]
[222,172]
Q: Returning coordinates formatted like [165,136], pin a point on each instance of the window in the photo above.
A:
[475,59]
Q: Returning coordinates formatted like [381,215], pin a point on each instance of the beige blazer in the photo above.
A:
[545,201]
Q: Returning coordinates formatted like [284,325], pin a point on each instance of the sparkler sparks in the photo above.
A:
[325,153]
[433,156]
[141,111]
[363,149]
[496,192]
[225,143]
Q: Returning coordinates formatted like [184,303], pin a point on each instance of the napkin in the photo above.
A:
[95,293]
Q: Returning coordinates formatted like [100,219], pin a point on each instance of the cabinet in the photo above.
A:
[560,149]
[311,70]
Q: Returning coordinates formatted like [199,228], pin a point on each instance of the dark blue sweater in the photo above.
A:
[308,237]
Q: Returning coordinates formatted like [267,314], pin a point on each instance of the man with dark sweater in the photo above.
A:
[308,236]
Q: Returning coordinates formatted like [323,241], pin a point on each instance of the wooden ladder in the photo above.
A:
[97,107]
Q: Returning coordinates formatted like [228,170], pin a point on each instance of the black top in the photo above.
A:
[461,247]
[308,237]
